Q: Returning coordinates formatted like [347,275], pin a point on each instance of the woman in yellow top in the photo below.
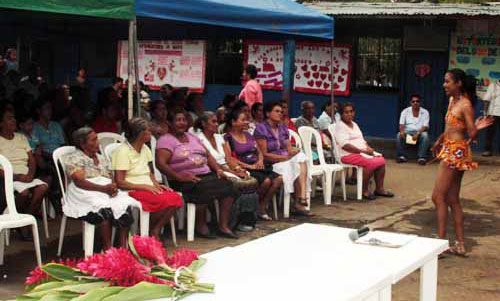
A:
[453,149]
[132,163]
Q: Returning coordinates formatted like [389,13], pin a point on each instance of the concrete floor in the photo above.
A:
[411,211]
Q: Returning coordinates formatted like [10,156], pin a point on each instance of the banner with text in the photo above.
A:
[267,56]
[477,55]
[313,64]
[178,63]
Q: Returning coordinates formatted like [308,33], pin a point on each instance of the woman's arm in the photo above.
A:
[232,161]
[163,156]
[31,166]
[78,178]
[262,145]
[468,112]
[125,185]
[353,149]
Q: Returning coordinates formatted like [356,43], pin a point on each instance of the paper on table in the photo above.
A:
[385,239]
[409,140]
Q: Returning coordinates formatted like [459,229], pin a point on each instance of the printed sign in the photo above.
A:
[313,68]
[267,56]
[477,55]
[178,63]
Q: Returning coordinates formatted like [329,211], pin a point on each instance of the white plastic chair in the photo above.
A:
[107,138]
[359,169]
[13,219]
[143,215]
[158,175]
[328,172]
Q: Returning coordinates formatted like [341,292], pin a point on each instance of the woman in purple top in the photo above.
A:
[242,153]
[194,172]
[274,143]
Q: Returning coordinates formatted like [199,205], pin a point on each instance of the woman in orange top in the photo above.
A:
[453,149]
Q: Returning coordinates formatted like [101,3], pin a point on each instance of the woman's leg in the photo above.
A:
[22,201]
[379,178]
[201,218]
[159,220]
[453,200]
[301,183]
[124,236]
[442,185]
[38,193]
[106,235]
[225,205]
[367,174]
[263,192]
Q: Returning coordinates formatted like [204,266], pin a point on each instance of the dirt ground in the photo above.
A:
[411,211]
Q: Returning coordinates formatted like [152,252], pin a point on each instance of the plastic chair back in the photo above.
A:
[296,137]
[9,185]
[336,151]
[307,134]
[157,172]
[107,138]
[110,148]
[57,156]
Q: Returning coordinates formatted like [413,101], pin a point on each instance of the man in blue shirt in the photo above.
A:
[413,126]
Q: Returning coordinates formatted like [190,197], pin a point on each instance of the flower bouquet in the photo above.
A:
[144,272]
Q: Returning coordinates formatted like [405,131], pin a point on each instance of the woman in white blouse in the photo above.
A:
[355,150]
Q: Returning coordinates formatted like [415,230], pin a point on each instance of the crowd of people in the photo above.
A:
[241,155]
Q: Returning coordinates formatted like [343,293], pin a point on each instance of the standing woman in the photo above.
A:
[159,124]
[252,92]
[132,162]
[453,149]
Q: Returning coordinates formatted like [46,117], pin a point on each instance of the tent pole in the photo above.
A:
[130,111]
[332,88]
[288,71]
[136,71]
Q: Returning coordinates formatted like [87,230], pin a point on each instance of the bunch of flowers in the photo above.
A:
[142,273]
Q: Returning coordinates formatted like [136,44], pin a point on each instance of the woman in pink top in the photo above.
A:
[355,151]
[252,92]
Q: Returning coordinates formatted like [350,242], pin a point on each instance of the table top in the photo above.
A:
[308,261]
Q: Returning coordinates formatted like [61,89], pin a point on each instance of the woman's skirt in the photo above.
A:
[457,155]
[290,171]
[205,191]
[22,186]
[152,202]
[80,202]
[369,163]
[262,174]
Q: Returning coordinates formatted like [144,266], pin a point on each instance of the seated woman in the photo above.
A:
[274,143]
[134,172]
[246,204]
[92,195]
[193,171]
[15,147]
[194,106]
[355,151]
[243,154]
[258,112]
[159,124]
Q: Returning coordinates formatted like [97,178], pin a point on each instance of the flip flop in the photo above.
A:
[386,194]
[304,213]
[264,217]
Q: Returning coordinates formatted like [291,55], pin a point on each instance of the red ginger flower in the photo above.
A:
[38,275]
[182,258]
[119,267]
[150,248]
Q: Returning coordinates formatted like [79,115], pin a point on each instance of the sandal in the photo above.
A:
[302,202]
[459,250]
[264,217]
[302,212]
[386,194]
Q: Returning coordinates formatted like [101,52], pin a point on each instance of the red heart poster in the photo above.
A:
[313,66]
[267,56]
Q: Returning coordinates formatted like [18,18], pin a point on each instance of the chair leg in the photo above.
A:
[44,217]
[342,182]
[36,241]
[88,234]
[135,225]
[217,209]
[7,237]
[286,205]
[181,217]
[64,219]
[191,218]
[2,244]
[113,235]
[275,207]
[327,188]
[144,223]
[172,229]
[359,179]
[313,187]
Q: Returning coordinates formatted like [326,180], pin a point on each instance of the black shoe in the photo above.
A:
[401,159]
[422,161]
[209,235]
[369,197]
[230,235]
[385,194]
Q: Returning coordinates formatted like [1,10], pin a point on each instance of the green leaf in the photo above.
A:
[61,272]
[197,264]
[34,286]
[99,294]
[24,298]
[142,291]
[82,288]
[134,251]
[59,296]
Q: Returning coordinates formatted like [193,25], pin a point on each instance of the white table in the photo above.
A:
[316,262]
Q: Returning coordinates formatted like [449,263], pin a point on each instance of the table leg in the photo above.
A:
[428,280]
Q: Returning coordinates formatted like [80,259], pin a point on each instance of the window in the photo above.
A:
[224,62]
[378,63]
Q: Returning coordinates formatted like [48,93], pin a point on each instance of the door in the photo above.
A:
[423,73]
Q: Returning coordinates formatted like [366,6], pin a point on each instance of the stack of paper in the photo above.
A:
[385,239]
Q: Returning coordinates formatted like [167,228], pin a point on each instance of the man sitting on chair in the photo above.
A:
[413,126]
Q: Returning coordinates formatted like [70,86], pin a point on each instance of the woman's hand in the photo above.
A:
[368,150]
[23,178]
[220,174]
[241,173]
[436,148]
[162,187]
[110,189]
[259,164]
[151,188]
[188,178]
[293,152]
[484,122]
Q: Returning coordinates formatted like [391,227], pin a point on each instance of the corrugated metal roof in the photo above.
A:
[405,9]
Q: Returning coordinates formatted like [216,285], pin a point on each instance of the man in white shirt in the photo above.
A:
[492,108]
[413,126]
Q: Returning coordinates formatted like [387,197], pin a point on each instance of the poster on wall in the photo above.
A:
[267,56]
[477,55]
[313,64]
[178,63]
